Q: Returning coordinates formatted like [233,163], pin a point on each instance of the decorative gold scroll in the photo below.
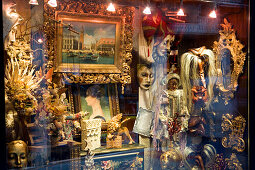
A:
[235,138]
[233,162]
[228,44]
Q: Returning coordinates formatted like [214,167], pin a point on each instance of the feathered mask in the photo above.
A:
[20,83]
[154,25]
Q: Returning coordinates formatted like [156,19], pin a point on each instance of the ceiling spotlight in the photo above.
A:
[52,3]
[213,14]
[147,10]
[33,2]
[180,12]
[111,8]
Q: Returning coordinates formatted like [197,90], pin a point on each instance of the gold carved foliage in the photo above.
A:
[96,8]
[96,79]
[233,162]
[236,126]
[91,78]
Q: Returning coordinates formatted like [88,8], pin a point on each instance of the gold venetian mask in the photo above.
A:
[17,154]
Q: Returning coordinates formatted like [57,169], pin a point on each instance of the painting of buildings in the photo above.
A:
[88,43]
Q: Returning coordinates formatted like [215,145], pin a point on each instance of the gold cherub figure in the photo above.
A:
[114,128]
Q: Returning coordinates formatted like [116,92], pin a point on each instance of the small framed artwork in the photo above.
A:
[88,43]
[99,100]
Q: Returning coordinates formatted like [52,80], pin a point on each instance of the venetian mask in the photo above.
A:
[17,154]
[162,47]
[159,53]
[24,101]
[198,77]
[199,94]
[145,77]
[20,86]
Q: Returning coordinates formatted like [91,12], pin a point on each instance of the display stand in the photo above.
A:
[125,156]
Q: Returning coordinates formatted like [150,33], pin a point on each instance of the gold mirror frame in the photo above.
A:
[95,9]
[228,41]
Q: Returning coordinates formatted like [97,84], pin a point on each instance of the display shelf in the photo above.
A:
[103,150]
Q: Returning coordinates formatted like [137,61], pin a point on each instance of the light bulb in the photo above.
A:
[111,8]
[213,14]
[40,41]
[180,12]
[53,3]
[147,10]
[33,2]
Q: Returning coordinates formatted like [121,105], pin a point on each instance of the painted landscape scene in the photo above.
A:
[88,43]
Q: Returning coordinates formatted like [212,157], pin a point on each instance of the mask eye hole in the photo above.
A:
[23,156]
[12,156]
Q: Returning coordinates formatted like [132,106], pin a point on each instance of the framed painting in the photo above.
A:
[98,100]
[87,44]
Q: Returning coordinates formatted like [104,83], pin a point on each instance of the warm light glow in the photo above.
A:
[40,41]
[111,8]
[147,10]
[11,12]
[33,2]
[213,14]
[180,12]
[52,3]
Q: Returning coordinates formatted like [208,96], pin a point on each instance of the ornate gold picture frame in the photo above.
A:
[229,61]
[68,15]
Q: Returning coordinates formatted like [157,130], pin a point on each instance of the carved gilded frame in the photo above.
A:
[228,42]
[121,72]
